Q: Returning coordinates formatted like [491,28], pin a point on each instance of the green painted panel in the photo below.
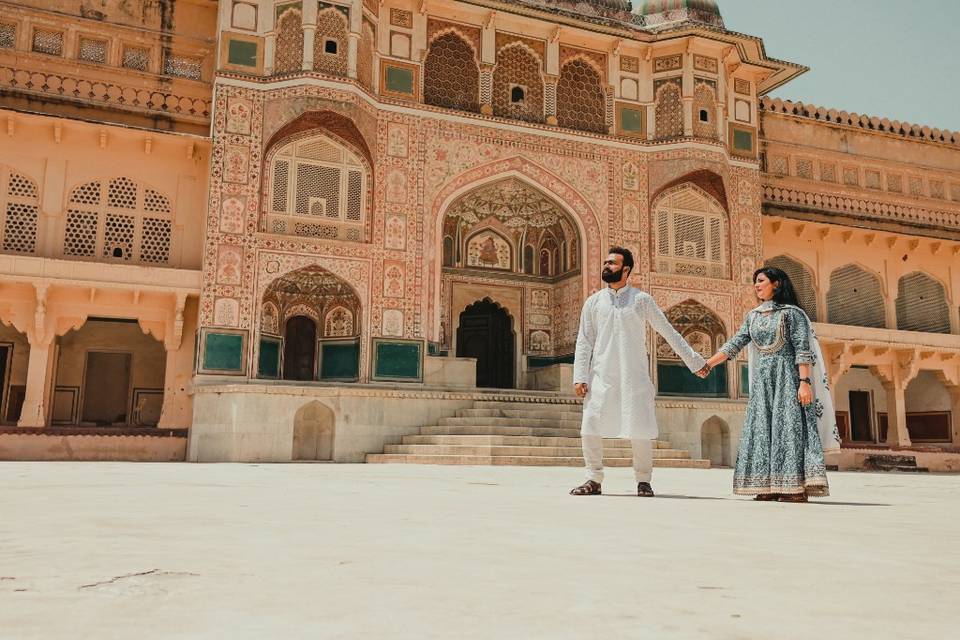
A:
[744,380]
[631,120]
[397,360]
[243,53]
[339,361]
[223,352]
[399,80]
[742,140]
[676,380]
[268,365]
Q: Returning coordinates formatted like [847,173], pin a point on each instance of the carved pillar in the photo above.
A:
[353,46]
[897,434]
[486,89]
[687,94]
[36,401]
[177,409]
[269,42]
[611,121]
[310,10]
[550,98]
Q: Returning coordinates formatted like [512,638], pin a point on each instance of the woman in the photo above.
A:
[790,418]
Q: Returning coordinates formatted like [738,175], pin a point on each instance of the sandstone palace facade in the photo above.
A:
[275,230]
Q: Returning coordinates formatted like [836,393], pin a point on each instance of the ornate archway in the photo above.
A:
[309,327]
[508,241]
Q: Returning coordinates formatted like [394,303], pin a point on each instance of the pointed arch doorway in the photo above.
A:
[486,333]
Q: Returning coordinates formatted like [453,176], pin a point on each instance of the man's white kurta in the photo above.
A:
[611,358]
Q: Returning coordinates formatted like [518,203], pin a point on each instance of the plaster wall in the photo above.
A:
[60,155]
[27,446]
[927,393]
[255,422]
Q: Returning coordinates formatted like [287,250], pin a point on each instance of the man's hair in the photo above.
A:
[627,256]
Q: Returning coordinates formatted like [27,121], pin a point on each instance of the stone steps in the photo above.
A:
[524,461]
[471,430]
[509,450]
[535,404]
[519,413]
[509,422]
[541,432]
[518,441]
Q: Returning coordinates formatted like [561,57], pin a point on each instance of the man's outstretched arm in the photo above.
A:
[661,325]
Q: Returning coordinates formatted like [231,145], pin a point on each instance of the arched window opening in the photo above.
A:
[318,188]
[922,304]
[451,77]
[855,298]
[690,233]
[518,84]
[19,212]
[289,40]
[581,103]
[118,219]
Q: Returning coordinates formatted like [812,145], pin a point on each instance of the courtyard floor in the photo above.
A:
[111,550]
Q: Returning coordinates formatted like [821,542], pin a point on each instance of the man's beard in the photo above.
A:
[611,276]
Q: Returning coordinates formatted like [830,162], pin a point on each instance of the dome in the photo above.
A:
[658,12]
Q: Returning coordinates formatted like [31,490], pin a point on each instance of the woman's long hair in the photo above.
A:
[783,292]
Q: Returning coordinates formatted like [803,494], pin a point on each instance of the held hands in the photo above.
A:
[705,371]
[805,394]
[580,389]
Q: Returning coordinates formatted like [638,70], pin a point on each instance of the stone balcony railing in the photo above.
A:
[862,207]
[892,338]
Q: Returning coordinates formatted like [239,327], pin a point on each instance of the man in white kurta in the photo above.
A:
[611,369]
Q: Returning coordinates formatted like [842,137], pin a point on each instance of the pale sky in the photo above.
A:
[886,58]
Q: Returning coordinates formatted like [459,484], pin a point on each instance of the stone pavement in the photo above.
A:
[112,550]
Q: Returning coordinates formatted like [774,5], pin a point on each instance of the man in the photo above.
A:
[611,370]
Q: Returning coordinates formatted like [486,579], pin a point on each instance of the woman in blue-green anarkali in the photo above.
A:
[790,419]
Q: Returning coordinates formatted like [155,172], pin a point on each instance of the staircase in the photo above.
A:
[543,432]
[904,464]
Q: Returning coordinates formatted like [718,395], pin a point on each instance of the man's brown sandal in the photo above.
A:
[766,497]
[795,497]
[588,488]
[644,490]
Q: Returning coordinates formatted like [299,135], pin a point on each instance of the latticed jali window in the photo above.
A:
[518,85]
[289,43]
[855,298]
[8,35]
[704,111]
[580,99]
[451,77]
[802,281]
[922,304]
[92,50]
[690,233]
[19,212]
[118,220]
[49,42]
[136,58]
[330,43]
[318,189]
[182,66]
[669,109]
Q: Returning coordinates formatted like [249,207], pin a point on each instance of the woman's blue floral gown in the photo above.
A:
[780,448]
